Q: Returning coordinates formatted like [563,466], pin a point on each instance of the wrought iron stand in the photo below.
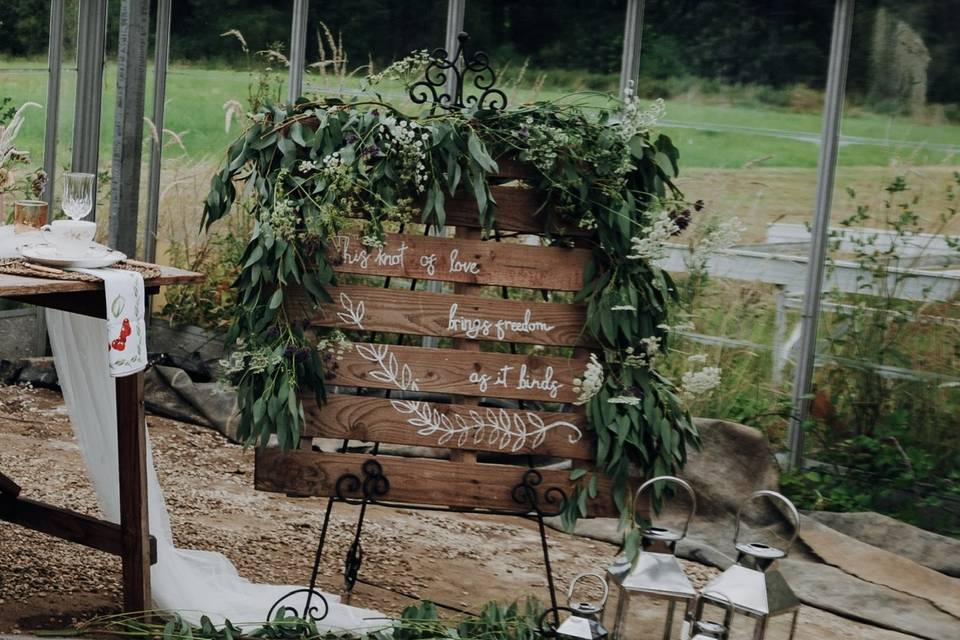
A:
[532,503]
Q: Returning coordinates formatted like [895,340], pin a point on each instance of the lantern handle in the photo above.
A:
[773,495]
[589,607]
[672,480]
[550,631]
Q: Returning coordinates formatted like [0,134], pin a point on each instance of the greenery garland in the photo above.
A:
[307,170]
[495,621]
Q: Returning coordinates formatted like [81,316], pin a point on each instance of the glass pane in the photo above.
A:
[747,125]
[884,420]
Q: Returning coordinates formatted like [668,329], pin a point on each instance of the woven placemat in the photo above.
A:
[21,267]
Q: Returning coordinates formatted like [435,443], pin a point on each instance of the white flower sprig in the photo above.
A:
[717,238]
[402,69]
[635,119]
[697,383]
[651,244]
[591,383]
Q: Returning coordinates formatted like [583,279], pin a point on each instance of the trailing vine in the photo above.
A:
[314,167]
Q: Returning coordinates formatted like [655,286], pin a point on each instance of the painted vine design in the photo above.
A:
[307,171]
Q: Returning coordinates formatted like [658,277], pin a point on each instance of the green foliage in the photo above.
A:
[209,304]
[889,443]
[496,621]
[305,171]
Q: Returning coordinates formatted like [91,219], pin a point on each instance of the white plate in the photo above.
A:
[95,257]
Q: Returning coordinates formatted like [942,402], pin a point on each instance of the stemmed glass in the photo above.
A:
[77,194]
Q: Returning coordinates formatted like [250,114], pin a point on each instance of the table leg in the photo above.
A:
[132,450]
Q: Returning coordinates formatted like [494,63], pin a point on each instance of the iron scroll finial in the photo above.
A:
[443,68]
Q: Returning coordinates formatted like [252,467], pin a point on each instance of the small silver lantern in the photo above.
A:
[708,629]
[656,574]
[584,620]
[753,585]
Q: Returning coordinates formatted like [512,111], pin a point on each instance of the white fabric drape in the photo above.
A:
[190,583]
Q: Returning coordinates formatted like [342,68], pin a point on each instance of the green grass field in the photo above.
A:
[195,99]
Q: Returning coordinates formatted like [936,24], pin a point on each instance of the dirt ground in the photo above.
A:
[457,560]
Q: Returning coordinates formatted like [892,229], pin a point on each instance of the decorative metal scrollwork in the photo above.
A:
[373,485]
[527,494]
[443,67]
[310,613]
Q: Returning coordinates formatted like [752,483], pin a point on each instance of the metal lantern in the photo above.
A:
[708,629]
[655,574]
[584,620]
[753,585]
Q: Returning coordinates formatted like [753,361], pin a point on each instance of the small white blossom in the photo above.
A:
[590,383]
[402,69]
[697,383]
[634,119]
[721,237]
[651,244]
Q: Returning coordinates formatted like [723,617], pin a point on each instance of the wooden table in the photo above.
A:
[131,539]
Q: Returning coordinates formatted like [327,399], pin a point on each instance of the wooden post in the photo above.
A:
[132,454]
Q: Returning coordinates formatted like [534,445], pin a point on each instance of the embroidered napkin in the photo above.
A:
[126,331]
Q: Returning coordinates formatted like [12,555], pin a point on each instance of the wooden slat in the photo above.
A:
[453,316]
[494,375]
[472,261]
[513,212]
[68,525]
[26,286]
[453,426]
[414,481]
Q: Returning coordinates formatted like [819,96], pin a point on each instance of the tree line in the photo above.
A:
[775,43]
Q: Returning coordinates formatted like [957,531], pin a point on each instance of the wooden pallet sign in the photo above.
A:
[489,391]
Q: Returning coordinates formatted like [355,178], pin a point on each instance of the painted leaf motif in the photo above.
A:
[116,307]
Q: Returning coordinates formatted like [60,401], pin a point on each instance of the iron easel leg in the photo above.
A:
[320,545]
[546,564]
[354,558]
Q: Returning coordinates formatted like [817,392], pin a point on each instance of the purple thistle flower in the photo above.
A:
[350,138]
[289,351]
[302,355]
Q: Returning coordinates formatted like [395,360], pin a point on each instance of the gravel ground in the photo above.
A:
[453,559]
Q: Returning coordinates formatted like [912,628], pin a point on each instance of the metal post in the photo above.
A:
[298,48]
[826,173]
[54,62]
[128,125]
[91,38]
[161,57]
[632,36]
[455,12]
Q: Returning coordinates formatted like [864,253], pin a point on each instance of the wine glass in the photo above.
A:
[77,194]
